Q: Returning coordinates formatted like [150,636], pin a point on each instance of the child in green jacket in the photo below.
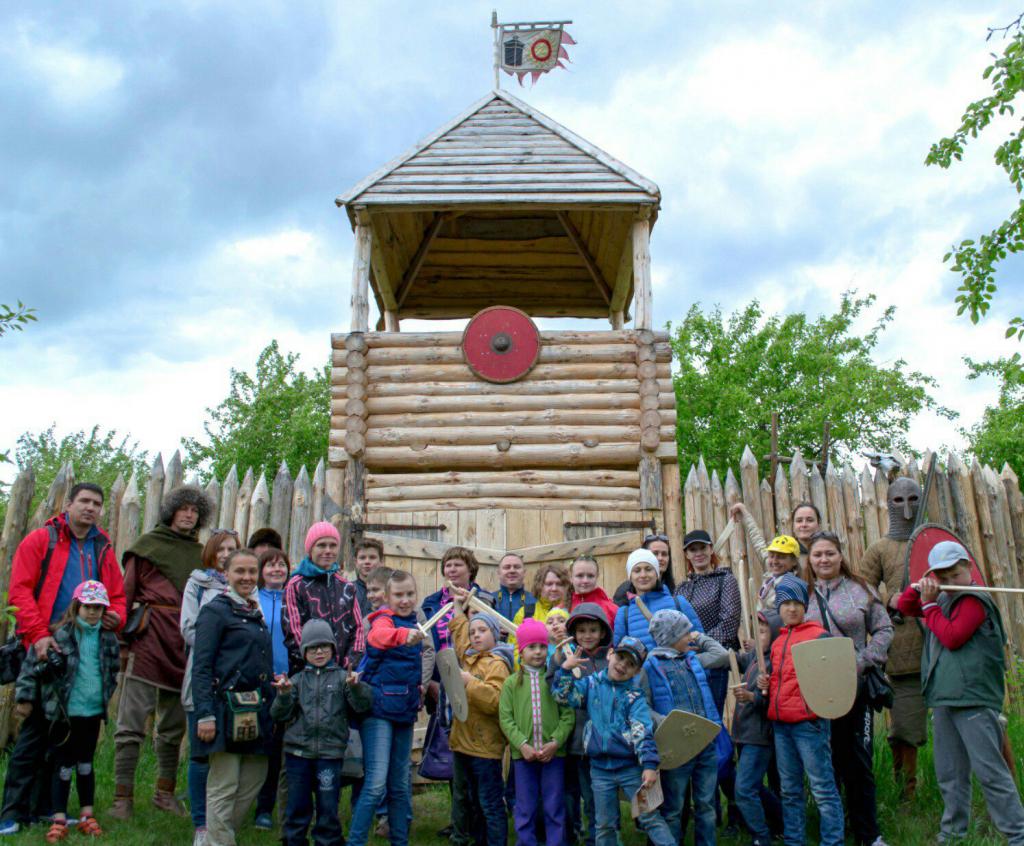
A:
[537,728]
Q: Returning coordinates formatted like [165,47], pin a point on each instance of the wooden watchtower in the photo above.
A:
[504,206]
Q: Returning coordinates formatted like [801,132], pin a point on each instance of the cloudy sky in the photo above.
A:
[170,169]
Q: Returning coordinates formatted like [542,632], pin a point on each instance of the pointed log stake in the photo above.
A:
[869,505]
[242,505]
[229,499]
[798,479]
[281,502]
[174,474]
[706,514]
[721,514]
[783,507]
[213,492]
[302,498]
[128,520]
[259,509]
[691,507]
[319,491]
[53,503]
[113,504]
[154,494]
[732,496]
[15,528]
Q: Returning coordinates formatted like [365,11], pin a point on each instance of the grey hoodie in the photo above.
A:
[202,586]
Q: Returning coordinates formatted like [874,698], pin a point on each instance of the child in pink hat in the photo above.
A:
[73,683]
[537,728]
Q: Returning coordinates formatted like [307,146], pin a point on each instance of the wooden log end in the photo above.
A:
[650,439]
[355,444]
[650,419]
[355,408]
[355,361]
[354,391]
[355,342]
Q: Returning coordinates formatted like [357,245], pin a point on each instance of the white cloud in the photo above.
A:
[70,75]
[291,243]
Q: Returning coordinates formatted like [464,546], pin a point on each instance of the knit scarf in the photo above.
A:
[308,569]
[250,603]
[174,555]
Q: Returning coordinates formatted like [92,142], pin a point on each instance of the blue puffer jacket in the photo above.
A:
[673,681]
[619,728]
[393,674]
[630,621]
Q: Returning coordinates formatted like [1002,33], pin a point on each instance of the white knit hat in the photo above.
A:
[640,556]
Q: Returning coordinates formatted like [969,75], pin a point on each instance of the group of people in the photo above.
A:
[274,673]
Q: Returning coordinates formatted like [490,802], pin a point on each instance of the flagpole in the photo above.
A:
[497,47]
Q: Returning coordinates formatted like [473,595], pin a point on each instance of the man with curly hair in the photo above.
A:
[156,569]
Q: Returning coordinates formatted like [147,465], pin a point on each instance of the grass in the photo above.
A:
[913,824]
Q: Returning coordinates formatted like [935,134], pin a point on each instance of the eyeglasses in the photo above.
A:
[829,536]
[225,532]
[652,538]
[320,647]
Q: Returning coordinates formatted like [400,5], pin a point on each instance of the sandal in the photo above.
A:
[58,831]
[89,826]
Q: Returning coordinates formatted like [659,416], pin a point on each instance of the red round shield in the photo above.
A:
[923,541]
[501,344]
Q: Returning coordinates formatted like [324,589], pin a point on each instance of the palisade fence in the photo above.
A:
[985,508]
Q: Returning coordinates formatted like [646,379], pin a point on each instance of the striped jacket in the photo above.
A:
[325,596]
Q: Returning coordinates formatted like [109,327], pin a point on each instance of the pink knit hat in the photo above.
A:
[323,529]
[531,631]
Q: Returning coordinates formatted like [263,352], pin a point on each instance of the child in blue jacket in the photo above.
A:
[618,738]
[672,679]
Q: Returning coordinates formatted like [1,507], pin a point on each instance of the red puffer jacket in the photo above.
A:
[785,702]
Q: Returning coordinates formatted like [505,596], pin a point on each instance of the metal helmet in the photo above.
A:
[904,501]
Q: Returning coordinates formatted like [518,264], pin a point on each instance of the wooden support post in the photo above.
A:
[360,301]
[617,319]
[673,514]
[391,321]
[643,318]
[353,508]
[651,495]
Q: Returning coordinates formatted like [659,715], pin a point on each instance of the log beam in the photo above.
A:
[584,253]
[412,271]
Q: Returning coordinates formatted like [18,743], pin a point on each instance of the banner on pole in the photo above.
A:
[531,48]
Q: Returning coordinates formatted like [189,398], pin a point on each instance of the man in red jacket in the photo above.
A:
[48,565]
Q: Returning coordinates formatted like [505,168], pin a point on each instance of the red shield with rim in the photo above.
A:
[922,541]
[501,344]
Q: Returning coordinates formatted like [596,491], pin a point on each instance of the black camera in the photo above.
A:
[53,667]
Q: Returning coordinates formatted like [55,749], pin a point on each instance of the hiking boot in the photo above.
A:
[165,800]
[124,806]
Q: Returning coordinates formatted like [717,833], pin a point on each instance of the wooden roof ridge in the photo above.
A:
[598,155]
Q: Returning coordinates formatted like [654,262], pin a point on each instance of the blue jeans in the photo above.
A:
[750,789]
[478,803]
[386,750]
[309,778]
[702,773]
[198,772]
[606,783]
[805,748]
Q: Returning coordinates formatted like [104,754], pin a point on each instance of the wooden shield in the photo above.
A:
[923,541]
[826,669]
[682,736]
[454,686]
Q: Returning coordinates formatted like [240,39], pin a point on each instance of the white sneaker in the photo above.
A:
[200,837]
[879,842]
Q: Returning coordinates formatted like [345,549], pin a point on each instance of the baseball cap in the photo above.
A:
[947,554]
[696,536]
[634,647]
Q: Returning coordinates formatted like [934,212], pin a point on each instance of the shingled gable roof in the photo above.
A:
[503,151]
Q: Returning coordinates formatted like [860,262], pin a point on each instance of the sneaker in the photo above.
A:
[9,827]
[383,827]
[879,842]
[200,837]
[264,822]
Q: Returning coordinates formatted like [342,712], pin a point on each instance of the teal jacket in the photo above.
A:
[973,675]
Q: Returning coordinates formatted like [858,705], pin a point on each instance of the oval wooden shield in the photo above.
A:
[501,344]
[923,541]
[826,669]
[454,687]
[682,736]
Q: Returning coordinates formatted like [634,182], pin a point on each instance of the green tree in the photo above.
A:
[734,372]
[999,437]
[96,456]
[976,260]
[14,319]
[277,414]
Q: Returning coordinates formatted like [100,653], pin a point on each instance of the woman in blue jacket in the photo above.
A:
[642,572]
